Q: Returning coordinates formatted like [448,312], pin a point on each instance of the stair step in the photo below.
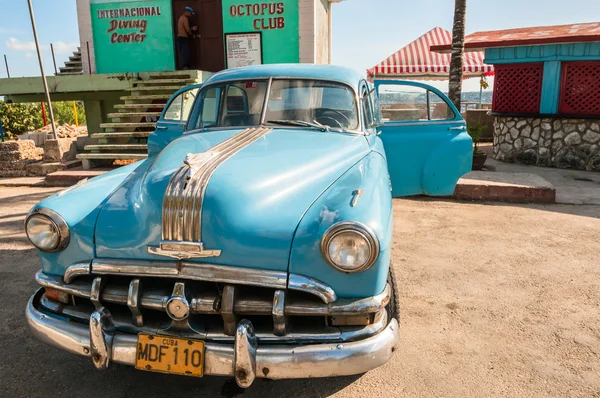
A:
[146,96]
[154,88]
[141,106]
[70,68]
[133,114]
[183,82]
[75,58]
[74,64]
[116,147]
[70,73]
[127,125]
[123,134]
[112,156]
[169,75]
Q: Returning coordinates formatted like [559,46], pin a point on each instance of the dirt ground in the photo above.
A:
[497,300]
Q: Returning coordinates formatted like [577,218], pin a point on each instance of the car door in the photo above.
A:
[173,119]
[425,139]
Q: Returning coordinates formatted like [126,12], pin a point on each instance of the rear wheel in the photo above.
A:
[394,304]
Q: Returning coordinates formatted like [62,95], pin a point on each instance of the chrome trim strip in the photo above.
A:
[313,286]
[355,197]
[227,310]
[77,270]
[184,196]
[193,271]
[263,112]
[205,272]
[278,313]
[96,292]
[134,294]
[301,361]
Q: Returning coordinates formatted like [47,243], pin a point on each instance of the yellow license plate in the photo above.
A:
[170,355]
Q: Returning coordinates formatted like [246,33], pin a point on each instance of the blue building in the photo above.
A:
[546,93]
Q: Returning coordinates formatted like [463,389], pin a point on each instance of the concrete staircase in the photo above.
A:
[74,66]
[125,137]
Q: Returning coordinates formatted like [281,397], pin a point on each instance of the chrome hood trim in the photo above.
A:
[203,272]
[184,196]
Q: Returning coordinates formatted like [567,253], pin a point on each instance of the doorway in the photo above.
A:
[207,52]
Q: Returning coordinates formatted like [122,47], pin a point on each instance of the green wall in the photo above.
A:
[278,22]
[133,36]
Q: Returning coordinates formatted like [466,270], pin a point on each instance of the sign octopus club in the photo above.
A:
[268,11]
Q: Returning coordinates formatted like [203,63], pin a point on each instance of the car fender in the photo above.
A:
[79,206]
[372,207]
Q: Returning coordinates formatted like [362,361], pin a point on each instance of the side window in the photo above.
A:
[210,107]
[180,107]
[439,108]
[236,101]
[367,109]
[400,103]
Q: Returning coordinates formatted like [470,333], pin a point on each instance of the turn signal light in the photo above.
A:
[57,295]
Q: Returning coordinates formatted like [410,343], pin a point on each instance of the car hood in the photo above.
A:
[253,202]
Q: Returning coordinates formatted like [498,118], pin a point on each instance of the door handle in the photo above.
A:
[161,127]
[459,128]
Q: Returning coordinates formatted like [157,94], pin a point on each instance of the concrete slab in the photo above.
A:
[66,178]
[22,182]
[572,186]
[505,187]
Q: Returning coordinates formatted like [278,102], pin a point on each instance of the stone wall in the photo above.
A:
[563,143]
[15,156]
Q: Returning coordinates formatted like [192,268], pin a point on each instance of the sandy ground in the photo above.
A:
[497,300]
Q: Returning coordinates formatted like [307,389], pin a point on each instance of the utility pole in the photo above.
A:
[39,53]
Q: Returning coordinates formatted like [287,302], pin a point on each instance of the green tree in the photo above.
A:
[458,49]
[19,118]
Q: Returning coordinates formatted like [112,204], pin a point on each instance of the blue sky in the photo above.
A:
[364,31]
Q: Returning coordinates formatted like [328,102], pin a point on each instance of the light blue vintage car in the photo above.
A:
[255,240]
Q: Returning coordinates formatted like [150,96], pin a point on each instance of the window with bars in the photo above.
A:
[580,88]
[518,88]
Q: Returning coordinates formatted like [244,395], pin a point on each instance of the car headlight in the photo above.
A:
[350,247]
[47,230]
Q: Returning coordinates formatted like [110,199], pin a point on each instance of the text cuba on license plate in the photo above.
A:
[170,355]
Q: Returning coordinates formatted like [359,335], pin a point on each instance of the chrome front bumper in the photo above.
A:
[244,359]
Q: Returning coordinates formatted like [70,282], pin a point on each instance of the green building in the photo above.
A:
[128,65]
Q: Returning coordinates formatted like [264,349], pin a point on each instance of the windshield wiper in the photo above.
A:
[301,123]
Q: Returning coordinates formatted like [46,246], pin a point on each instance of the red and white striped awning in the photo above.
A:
[416,61]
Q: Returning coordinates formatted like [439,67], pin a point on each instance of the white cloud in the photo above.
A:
[18,45]
[60,47]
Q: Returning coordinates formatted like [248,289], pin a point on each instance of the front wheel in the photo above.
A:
[394,304]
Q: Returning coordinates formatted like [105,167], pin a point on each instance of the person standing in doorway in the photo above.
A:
[184,35]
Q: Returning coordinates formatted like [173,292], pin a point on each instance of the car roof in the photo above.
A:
[301,71]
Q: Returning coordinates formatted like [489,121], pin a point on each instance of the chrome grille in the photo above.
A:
[140,304]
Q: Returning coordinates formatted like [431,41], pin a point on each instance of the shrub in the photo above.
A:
[19,118]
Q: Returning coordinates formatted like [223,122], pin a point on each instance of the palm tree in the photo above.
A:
[458,48]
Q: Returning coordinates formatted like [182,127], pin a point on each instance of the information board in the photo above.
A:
[243,49]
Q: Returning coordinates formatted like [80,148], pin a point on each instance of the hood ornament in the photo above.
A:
[196,160]
[183,250]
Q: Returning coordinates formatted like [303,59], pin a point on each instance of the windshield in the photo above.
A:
[291,102]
